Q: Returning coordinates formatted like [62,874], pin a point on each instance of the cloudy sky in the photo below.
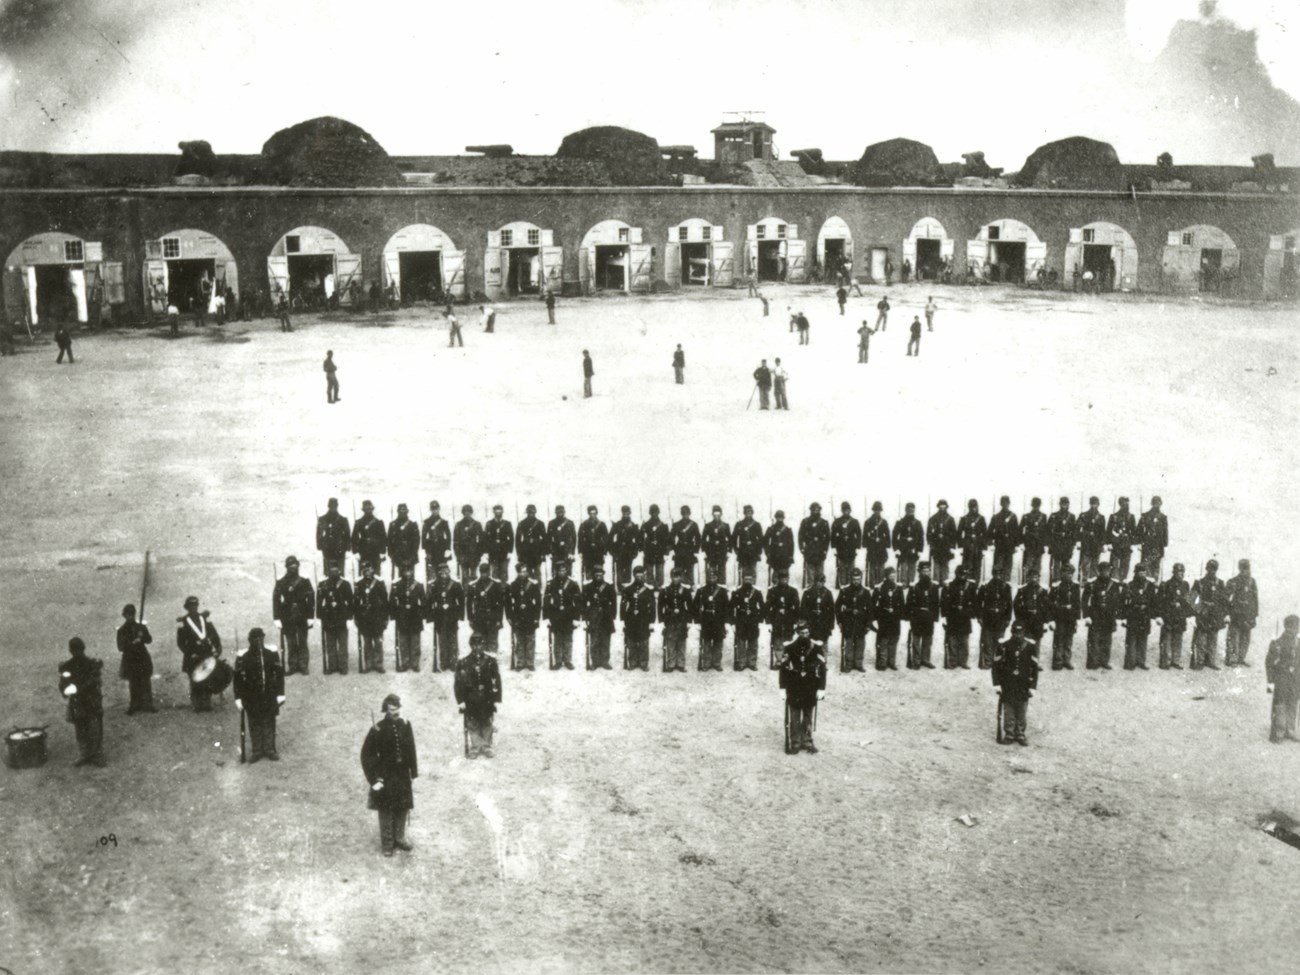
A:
[431,77]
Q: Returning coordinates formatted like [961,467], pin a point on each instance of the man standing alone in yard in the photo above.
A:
[588,370]
[679,365]
[331,377]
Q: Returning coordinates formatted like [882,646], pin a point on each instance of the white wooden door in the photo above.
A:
[392,272]
[277,277]
[673,264]
[977,252]
[114,283]
[552,269]
[641,272]
[724,265]
[453,272]
[155,286]
[347,268]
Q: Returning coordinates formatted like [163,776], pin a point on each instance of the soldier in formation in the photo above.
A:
[293,607]
[136,668]
[637,609]
[524,612]
[334,609]
[599,612]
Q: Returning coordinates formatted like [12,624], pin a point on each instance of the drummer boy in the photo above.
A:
[80,681]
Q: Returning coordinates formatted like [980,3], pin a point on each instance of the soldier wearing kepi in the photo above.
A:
[530,541]
[599,611]
[334,610]
[1103,601]
[655,539]
[561,608]
[803,681]
[478,692]
[625,546]
[747,614]
[1004,534]
[81,684]
[446,610]
[259,692]
[1175,609]
[1140,605]
[403,540]
[686,544]
[941,536]
[973,537]
[1092,538]
[1282,668]
[1121,533]
[1210,604]
[524,611]
[715,541]
[593,543]
[369,539]
[875,539]
[638,612]
[853,611]
[1067,610]
[467,544]
[814,542]
[407,607]
[747,540]
[778,546]
[370,610]
[960,603]
[333,535]
[908,541]
[712,611]
[995,609]
[498,543]
[817,609]
[561,541]
[1243,611]
[888,606]
[1033,608]
[846,539]
[435,539]
[485,603]
[922,611]
[1034,534]
[676,607]
[1015,674]
[782,604]
[1153,536]
[137,665]
[293,607]
[1062,536]
[197,639]
[389,764]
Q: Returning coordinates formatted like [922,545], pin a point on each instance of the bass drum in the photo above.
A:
[212,674]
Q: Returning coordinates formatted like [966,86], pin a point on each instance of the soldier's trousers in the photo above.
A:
[798,726]
[717,568]
[407,643]
[852,651]
[1284,716]
[1119,563]
[918,649]
[392,828]
[1171,647]
[989,637]
[1032,559]
[468,572]
[654,573]
[296,652]
[1135,646]
[906,569]
[90,738]
[1205,645]
[942,566]
[875,571]
[499,569]
[261,734]
[843,572]
[479,729]
[490,638]
[334,644]
[1100,636]
[141,692]
[812,568]
[1236,644]
[200,698]
[622,571]
[1088,567]
[446,645]
[1003,559]
[636,650]
[973,562]
[675,646]
[746,652]
[711,650]
[1062,646]
[1015,714]
[372,651]
[561,647]
[887,647]
[597,648]
[523,644]
[1057,563]
[1154,563]
[956,649]
[780,637]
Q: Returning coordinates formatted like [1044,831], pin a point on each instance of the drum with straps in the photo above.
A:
[212,674]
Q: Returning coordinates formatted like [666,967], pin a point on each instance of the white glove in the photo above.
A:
[821,695]
[278,625]
[70,690]
[239,704]
[280,699]
[781,695]
[377,786]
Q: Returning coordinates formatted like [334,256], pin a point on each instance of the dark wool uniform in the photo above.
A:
[1153,536]
[136,666]
[403,542]
[1175,610]
[922,612]
[333,539]
[1103,601]
[875,539]
[593,545]
[676,607]
[370,610]
[561,541]
[599,611]
[197,639]
[686,546]
[1092,536]
[259,686]
[747,540]
[561,608]
[1004,535]
[1121,533]
[782,605]
[388,759]
[846,539]
[1141,603]
[446,609]
[334,610]
[817,609]
[1282,667]
[973,538]
[407,605]
[638,612]
[995,609]
[941,536]
[803,675]
[467,545]
[854,611]
[814,542]
[1015,673]
[960,604]
[370,541]
[485,603]
[1062,536]
[1033,609]
[889,604]
[1067,610]
[1210,602]
[747,614]
[908,541]
[85,710]
[625,545]
[293,606]
[478,692]
[530,543]
[715,541]
[524,611]
[1034,535]
[712,611]
[778,546]
[498,543]
[655,538]
[1243,611]
[435,539]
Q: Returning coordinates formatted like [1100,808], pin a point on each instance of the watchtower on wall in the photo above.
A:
[737,141]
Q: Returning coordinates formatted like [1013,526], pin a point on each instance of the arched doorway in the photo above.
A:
[696,254]
[612,257]
[1007,251]
[315,269]
[187,268]
[1200,258]
[421,263]
[775,252]
[834,248]
[1281,268]
[52,278]
[522,259]
[930,250]
[1105,249]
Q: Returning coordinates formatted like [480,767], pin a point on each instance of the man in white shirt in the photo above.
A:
[779,378]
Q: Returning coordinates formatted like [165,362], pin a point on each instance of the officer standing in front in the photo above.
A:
[259,692]
[803,683]
[1015,674]
[389,764]
[477,687]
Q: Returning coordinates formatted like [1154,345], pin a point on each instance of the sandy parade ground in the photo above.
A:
[647,821]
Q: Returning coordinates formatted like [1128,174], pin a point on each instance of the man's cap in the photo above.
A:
[638,570]
[819,577]
[779,513]
[1017,627]
[256,631]
[856,574]
[191,601]
[466,509]
[1291,621]
[76,644]
[802,625]
[290,561]
[333,502]
[654,509]
[1035,501]
[434,506]
[1094,500]
[497,507]
[627,510]
[1103,564]
[748,509]
[128,609]
[591,509]
[909,506]
[401,507]
[972,503]
[959,571]
[367,504]
[597,571]
[845,507]
[877,506]
[1064,499]
[923,565]
[520,566]
[1032,573]
[483,569]
[1123,500]
[748,575]
[889,570]
[685,509]
[717,509]
[1179,565]
[814,507]
[1212,564]
[943,503]
[391,699]
[1004,500]
[531,509]
[1243,563]
[1155,499]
